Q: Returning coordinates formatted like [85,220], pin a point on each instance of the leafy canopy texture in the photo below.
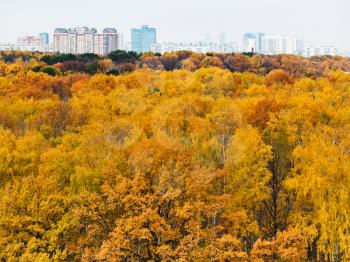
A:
[180,157]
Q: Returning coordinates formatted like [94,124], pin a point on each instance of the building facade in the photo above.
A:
[298,46]
[274,45]
[198,47]
[45,38]
[252,42]
[110,40]
[30,43]
[143,38]
[320,51]
[82,40]
[121,45]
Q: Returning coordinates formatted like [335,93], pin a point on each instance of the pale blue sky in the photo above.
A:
[316,21]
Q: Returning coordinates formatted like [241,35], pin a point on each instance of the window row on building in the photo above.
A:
[198,47]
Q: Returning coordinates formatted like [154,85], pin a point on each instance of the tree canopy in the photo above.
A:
[180,157]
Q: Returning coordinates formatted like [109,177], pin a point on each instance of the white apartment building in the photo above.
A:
[252,42]
[274,45]
[249,45]
[298,46]
[121,45]
[82,40]
[320,51]
[198,47]
[110,40]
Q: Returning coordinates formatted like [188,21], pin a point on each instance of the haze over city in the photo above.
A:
[317,21]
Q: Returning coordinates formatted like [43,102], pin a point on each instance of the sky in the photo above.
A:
[318,22]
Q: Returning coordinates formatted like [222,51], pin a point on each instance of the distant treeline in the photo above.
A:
[120,62]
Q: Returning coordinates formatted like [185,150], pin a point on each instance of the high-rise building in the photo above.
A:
[60,41]
[252,42]
[45,38]
[121,45]
[82,40]
[298,46]
[110,40]
[249,44]
[258,39]
[273,45]
[143,38]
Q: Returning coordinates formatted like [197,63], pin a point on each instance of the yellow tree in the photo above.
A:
[320,182]
[225,119]
[32,220]
[247,181]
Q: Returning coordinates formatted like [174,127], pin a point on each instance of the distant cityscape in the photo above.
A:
[144,39]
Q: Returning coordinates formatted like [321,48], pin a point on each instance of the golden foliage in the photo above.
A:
[197,163]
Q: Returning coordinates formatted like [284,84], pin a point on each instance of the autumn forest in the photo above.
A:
[175,157]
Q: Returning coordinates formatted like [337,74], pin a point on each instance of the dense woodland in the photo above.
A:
[180,157]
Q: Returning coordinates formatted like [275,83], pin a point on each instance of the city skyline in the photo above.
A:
[126,43]
[81,40]
[198,19]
